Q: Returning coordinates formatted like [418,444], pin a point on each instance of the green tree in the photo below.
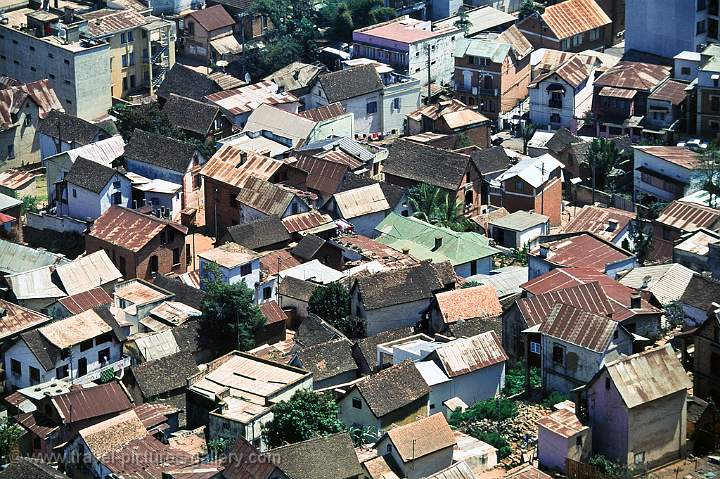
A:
[230,315]
[9,436]
[462,141]
[305,415]
[674,313]
[332,303]
[463,21]
[343,24]
[527,8]
[605,160]
[435,206]
[29,204]
[495,439]
[710,175]
[370,12]
[147,117]
[527,132]
[642,237]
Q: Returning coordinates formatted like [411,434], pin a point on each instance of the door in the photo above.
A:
[82,367]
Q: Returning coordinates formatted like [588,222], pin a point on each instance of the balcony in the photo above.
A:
[553,103]
[96,374]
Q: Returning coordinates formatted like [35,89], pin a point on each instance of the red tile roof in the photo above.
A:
[130,229]
[468,303]
[278,260]
[272,312]
[584,250]
[572,17]
[77,303]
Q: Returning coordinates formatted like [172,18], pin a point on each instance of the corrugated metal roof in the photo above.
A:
[75,329]
[80,302]
[281,123]
[572,17]
[35,284]
[563,422]
[465,355]
[526,472]
[588,297]
[103,151]
[689,216]
[617,92]
[583,249]
[15,319]
[361,201]
[229,255]
[506,281]
[130,229]
[106,22]
[323,113]
[667,282]
[16,179]
[232,165]
[604,222]
[581,328]
[459,470]
[634,75]
[157,345]
[248,98]
[13,98]
[324,176]
[672,91]
[305,221]
[16,258]
[265,197]
[174,312]
[698,242]
[87,272]
[535,171]
[88,402]
[212,18]
[647,376]
[520,221]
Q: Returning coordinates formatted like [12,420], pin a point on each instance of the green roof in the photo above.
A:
[480,47]
[520,221]
[401,233]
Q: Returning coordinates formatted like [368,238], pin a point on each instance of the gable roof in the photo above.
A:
[324,176]
[328,359]
[296,76]
[13,97]
[112,434]
[185,294]
[186,82]
[407,233]
[350,82]
[534,171]
[606,222]
[571,17]
[468,303]
[75,329]
[190,115]
[420,438]
[426,164]
[79,302]
[305,221]
[633,75]
[701,293]
[308,246]
[520,220]
[582,249]
[90,175]
[265,197]
[588,297]
[392,388]
[85,403]
[249,97]
[466,355]
[234,166]
[672,91]
[398,286]
[159,150]
[490,160]
[368,346]
[15,319]
[281,123]
[130,229]
[687,216]
[260,233]
[212,18]
[327,457]
[647,376]
[361,201]
[25,467]
[104,151]
[164,374]
[323,113]
[581,328]
[245,462]
[667,282]
[58,124]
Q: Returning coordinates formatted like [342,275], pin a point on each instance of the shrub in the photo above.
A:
[504,449]
[495,409]
[515,380]
[554,398]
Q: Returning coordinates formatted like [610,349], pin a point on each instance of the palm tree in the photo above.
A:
[528,130]
[604,157]
[436,206]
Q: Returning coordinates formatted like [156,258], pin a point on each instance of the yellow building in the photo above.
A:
[142,48]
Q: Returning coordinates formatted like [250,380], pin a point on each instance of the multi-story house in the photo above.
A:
[620,97]
[35,45]
[533,184]
[140,245]
[707,93]
[694,25]
[706,371]
[250,26]
[208,34]
[570,26]
[493,71]
[377,97]
[142,48]
[561,95]
[21,108]
[664,172]
[667,111]
[411,47]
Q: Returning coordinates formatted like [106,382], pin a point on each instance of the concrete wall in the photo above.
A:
[424,466]
[662,167]
[340,126]
[554,449]
[482,265]
[352,416]
[661,27]
[21,138]
[389,318]
[608,419]
[658,430]
[83,204]
[408,94]
[61,224]
[174,6]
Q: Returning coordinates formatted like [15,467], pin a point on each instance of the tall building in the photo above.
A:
[668,27]
[38,44]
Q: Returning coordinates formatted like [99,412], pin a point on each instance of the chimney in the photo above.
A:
[405,251]
[646,282]
[612,224]
[544,250]
[438,243]
[635,301]
[69,15]
[243,157]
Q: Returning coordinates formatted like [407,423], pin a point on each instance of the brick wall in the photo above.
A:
[220,204]
[552,201]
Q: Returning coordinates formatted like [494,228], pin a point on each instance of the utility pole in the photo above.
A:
[542,192]
[592,155]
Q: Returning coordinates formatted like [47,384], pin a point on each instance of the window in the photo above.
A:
[715,103]
[117,198]
[153,266]
[103,338]
[534,347]
[245,269]
[594,34]
[62,372]
[16,367]
[715,364]
[131,58]
[28,120]
[116,184]
[294,208]
[11,151]
[171,235]
[191,28]
[371,107]
[700,27]
[519,186]
[578,441]
[357,403]
[133,82]
[104,355]
[87,344]
[685,71]
[267,292]
[700,5]
[82,366]
[176,256]
[481,61]
[124,60]
[52,77]
[122,266]
[34,375]
[74,193]
[615,334]
[50,55]
[163,237]
[577,40]
[607,383]
[66,61]
[123,38]
[131,37]
[555,118]
[396,104]
[473,268]
[558,354]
